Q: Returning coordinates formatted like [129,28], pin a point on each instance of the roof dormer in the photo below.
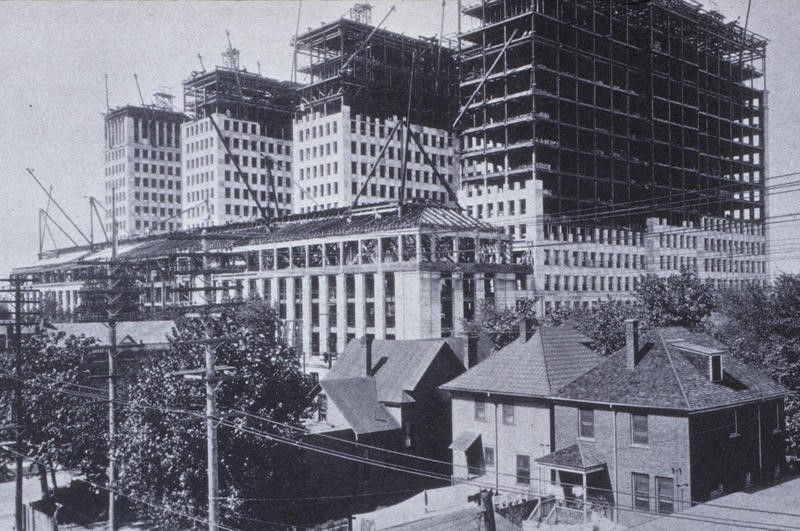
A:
[708,358]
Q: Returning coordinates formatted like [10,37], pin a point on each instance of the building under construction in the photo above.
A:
[142,168]
[363,84]
[249,176]
[581,117]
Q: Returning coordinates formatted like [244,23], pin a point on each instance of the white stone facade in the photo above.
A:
[335,152]
[214,193]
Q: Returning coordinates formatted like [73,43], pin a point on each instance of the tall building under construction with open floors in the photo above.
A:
[615,138]
[364,84]
[249,174]
[142,168]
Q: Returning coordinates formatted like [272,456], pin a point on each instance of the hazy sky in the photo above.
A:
[55,55]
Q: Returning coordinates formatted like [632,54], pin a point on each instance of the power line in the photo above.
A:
[400,468]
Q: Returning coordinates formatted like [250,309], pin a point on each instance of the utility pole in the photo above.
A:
[213,375]
[18,508]
[112,310]
[211,435]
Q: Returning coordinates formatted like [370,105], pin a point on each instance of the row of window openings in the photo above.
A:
[590,283]
[163,198]
[114,154]
[420,176]
[170,226]
[718,245]
[361,148]
[367,251]
[360,127]
[384,191]
[328,128]
[321,170]
[480,189]
[253,162]
[498,209]
[678,262]
[163,184]
[156,168]
[311,153]
[592,259]
[237,143]
[719,265]
[280,180]
[247,211]
[155,211]
[156,154]
[246,194]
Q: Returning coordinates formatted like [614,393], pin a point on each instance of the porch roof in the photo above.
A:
[464,440]
[575,458]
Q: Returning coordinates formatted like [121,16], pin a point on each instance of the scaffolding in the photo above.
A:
[242,95]
[659,104]
[354,64]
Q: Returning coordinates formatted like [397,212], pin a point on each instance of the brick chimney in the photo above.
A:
[472,351]
[631,343]
[366,343]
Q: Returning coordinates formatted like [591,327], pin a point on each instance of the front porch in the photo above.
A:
[579,490]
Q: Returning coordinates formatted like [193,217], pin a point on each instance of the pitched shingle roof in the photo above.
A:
[357,400]
[551,358]
[671,377]
[398,365]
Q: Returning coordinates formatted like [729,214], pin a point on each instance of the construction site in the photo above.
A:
[659,105]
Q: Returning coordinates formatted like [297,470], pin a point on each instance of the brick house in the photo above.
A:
[668,420]
[383,393]
[502,417]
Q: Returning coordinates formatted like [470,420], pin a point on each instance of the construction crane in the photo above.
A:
[136,78]
[202,65]
[365,41]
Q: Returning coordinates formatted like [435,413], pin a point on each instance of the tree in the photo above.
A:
[60,422]
[162,443]
[762,326]
[678,300]
[604,323]
[500,324]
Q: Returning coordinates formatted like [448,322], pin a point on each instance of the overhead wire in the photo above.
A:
[399,468]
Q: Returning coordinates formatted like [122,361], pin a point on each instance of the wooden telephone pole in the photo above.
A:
[213,375]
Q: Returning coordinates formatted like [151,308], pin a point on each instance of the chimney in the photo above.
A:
[472,351]
[366,343]
[631,343]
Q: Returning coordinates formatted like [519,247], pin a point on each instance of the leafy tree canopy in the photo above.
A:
[678,300]
[60,422]
[162,445]
[500,324]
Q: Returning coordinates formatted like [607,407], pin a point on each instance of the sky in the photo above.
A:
[55,57]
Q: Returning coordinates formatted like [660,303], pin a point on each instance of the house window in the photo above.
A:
[665,495]
[508,413]
[735,423]
[480,409]
[639,429]
[641,492]
[488,456]
[523,469]
[322,407]
[586,423]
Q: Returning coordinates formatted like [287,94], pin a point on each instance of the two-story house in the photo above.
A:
[669,420]
[502,417]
